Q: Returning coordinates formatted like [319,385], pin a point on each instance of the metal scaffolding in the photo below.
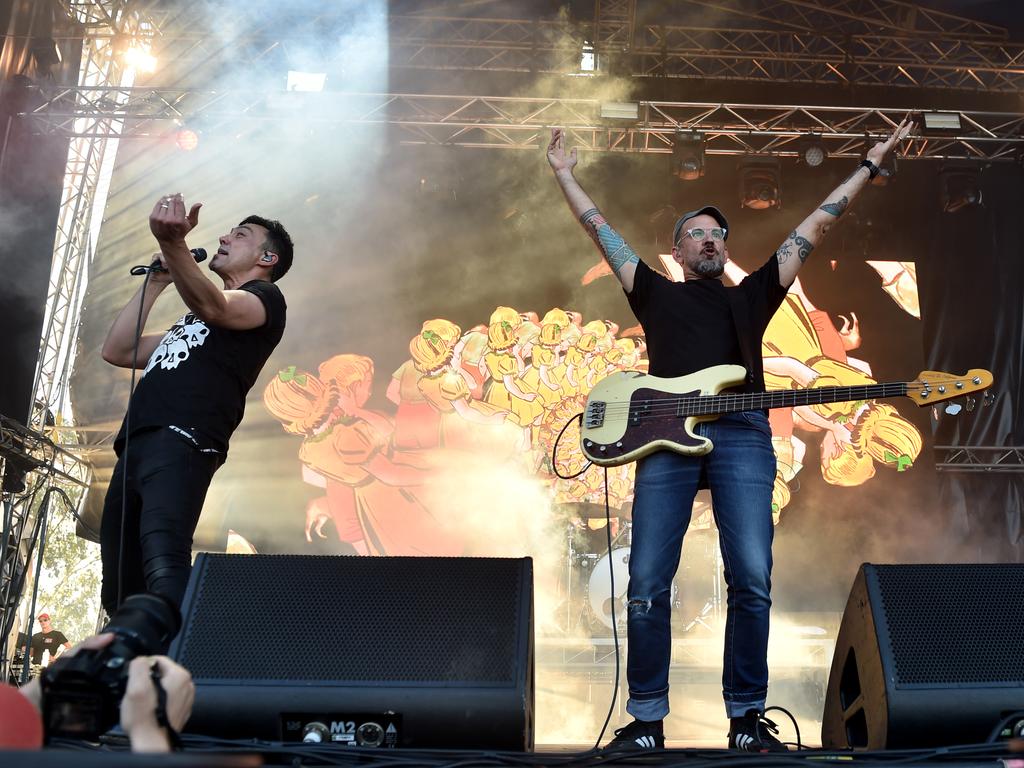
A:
[832,42]
[34,469]
[36,466]
[93,134]
[504,122]
[942,61]
[980,458]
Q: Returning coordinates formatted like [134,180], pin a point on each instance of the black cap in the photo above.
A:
[710,210]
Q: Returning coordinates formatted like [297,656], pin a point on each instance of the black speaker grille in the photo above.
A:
[451,621]
[954,624]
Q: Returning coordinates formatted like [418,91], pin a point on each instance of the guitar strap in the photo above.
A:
[741,319]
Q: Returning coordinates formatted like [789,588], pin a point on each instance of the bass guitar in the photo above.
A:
[631,414]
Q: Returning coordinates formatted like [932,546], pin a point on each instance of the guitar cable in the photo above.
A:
[611,570]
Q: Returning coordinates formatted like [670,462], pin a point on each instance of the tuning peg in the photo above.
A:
[988,399]
[952,409]
[971,402]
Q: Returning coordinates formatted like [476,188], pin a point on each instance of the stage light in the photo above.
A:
[620,110]
[760,188]
[941,121]
[959,187]
[812,151]
[140,59]
[588,57]
[688,155]
[306,82]
[186,139]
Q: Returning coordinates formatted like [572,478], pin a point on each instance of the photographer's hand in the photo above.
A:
[32,690]
[138,707]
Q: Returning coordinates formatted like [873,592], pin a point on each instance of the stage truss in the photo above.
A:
[980,458]
[796,42]
[35,469]
[507,122]
[47,467]
[829,42]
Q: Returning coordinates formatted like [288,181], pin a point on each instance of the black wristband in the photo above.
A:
[872,168]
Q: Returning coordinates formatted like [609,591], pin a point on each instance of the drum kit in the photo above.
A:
[596,575]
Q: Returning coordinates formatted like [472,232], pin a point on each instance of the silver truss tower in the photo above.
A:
[110,27]
[43,461]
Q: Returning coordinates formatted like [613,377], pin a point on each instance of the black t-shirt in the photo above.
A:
[689,326]
[46,641]
[197,378]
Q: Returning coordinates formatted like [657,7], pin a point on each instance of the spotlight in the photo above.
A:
[588,57]
[140,59]
[941,121]
[959,187]
[688,155]
[186,139]
[620,110]
[759,183]
[812,151]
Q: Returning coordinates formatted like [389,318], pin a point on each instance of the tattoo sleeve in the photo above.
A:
[836,209]
[802,245]
[616,251]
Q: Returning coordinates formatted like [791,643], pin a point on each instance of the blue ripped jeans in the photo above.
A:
[740,473]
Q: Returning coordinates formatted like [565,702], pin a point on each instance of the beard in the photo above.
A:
[710,268]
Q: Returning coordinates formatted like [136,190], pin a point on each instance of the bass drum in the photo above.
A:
[599,589]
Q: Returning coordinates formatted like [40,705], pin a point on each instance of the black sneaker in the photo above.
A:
[639,735]
[754,733]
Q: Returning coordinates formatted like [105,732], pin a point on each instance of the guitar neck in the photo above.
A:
[730,402]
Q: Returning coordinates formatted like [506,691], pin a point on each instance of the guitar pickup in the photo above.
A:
[594,416]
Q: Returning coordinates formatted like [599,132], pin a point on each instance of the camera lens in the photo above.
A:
[146,622]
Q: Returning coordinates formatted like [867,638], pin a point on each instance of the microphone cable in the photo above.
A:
[127,437]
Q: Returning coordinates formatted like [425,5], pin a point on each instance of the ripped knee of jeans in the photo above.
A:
[639,605]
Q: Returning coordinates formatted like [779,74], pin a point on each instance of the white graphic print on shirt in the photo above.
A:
[175,347]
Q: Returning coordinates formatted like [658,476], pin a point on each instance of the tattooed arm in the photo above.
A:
[801,241]
[616,251]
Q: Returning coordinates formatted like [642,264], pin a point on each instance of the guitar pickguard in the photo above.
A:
[619,432]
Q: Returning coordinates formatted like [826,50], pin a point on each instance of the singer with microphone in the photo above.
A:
[191,395]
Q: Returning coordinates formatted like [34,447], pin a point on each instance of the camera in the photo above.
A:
[82,693]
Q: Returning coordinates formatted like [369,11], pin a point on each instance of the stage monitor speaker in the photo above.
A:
[419,652]
[927,656]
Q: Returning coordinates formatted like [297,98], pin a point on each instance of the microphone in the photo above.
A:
[199,254]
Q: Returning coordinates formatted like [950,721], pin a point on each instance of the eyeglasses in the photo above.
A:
[699,233]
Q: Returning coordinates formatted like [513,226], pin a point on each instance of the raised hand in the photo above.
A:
[878,152]
[169,223]
[557,157]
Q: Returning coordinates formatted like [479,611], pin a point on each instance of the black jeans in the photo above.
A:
[166,485]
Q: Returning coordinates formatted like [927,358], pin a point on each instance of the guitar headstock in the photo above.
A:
[936,386]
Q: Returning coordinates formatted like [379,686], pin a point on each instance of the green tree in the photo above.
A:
[69,585]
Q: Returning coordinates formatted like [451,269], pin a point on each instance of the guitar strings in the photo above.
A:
[688,405]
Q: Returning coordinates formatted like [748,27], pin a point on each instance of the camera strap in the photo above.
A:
[161,707]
